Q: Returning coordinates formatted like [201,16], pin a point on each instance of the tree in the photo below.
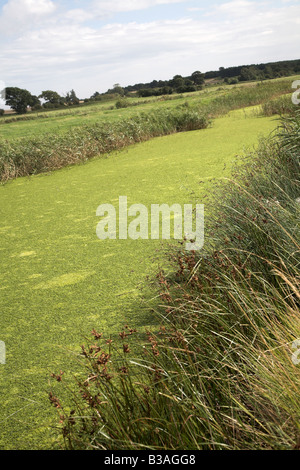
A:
[166,90]
[71,98]
[197,78]
[177,81]
[95,96]
[19,99]
[268,72]
[188,82]
[52,98]
[35,103]
[118,89]
[222,72]
[250,73]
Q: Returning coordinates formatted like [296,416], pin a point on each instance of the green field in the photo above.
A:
[59,281]
[60,121]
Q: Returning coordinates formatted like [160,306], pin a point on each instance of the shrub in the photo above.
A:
[122,103]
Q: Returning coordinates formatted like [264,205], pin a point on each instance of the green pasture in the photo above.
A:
[59,281]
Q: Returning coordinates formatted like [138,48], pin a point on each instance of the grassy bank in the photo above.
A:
[221,372]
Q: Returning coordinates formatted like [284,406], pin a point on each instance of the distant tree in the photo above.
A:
[52,98]
[2,112]
[18,99]
[186,89]
[95,95]
[118,89]
[71,98]
[144,92]
[197,78]
[250,73]
[154,84]
[35,103]
[166,90]
[68,99]
[188,82]
[2,93]
[177,81]
[222,72]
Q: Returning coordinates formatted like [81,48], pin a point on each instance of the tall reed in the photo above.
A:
[221,372]
[26,157]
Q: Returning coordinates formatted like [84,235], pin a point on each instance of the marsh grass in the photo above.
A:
[219,373]
[43,153]
[280,106]
[26,157]
[251,95]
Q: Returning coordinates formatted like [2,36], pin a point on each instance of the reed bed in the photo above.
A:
[25,157]
[29,156]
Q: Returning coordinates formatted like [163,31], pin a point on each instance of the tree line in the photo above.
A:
[177,84]
[195,81]
[256,71]
[20,99]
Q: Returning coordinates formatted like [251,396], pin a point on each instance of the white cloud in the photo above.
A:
[237,7]
[78,15]
[108,7]
[18,15]
[65,54]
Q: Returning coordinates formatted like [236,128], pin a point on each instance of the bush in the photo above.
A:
[123,103]
[37,107]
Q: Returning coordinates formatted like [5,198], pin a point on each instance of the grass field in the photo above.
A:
[63,120]
[58,281]
[60,121]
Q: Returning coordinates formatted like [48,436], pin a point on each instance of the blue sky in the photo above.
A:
[91,45]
